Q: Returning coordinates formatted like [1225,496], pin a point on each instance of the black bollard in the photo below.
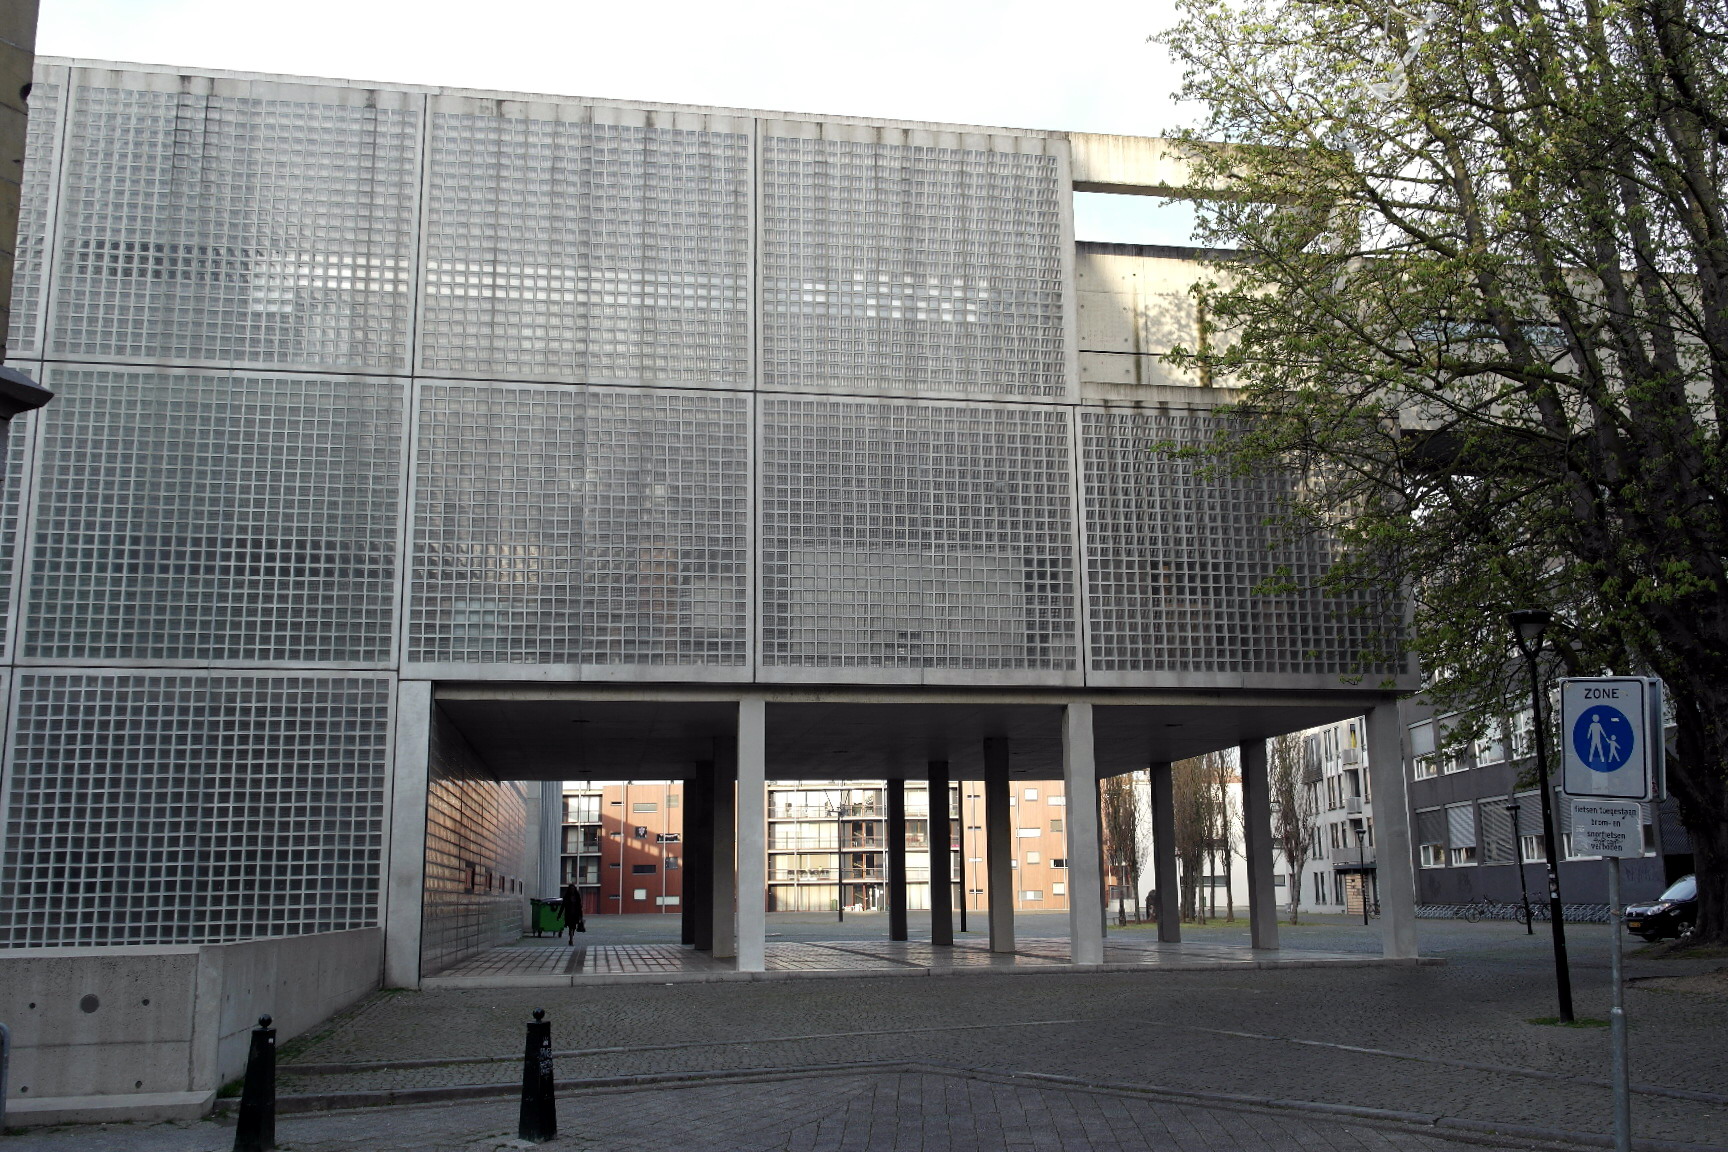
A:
[256,1130]
[539,1121]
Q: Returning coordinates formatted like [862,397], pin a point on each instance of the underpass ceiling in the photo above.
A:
[565,732]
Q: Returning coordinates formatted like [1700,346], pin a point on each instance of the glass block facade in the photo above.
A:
[360,385]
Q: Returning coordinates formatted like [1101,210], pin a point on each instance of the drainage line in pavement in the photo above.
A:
[1468,1065]
[451,1061]
[577,1053]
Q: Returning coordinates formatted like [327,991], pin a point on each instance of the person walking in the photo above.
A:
[573,919]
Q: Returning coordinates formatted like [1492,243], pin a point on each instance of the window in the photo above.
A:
[1056,824]
[668,837]
[1025,833]
[1319,887]
[672,864]
[1431,837]
[1490,749]
[644,806]
[1057,801]
[672,802]
[644,869]
[1279,880]
[1058,889]
[639,894]
[1029,794]
[1033,858]
[1058,861]
[1530,844]
[612,864]
[1461,834]
[1032,894]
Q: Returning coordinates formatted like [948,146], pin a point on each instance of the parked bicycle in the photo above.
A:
[1487,906]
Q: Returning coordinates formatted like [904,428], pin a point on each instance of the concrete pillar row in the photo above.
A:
[752,836]
[896,831]
[1164,853]
[998,845]
[1395,870]
[1257,826]
[1085,855]
[941,857]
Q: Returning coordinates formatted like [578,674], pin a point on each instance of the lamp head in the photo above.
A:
[1528,624]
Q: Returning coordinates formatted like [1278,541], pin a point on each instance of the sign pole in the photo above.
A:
[1617,1015]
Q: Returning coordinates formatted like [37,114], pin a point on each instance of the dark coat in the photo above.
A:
[572,904]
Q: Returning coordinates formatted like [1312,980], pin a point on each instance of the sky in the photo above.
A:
[1016,63]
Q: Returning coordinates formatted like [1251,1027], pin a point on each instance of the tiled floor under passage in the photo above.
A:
[550,961]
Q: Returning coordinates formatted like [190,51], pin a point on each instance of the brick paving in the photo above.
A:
[904,1111]
[1065,1059]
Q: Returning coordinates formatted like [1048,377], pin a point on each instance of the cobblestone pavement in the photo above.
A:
[871,1064]
[902,1111]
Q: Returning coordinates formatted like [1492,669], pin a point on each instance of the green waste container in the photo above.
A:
[548,916]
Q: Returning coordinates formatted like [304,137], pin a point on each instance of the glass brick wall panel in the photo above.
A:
[18,438]
[911,268]
[1175,553]
[582,526]
[229,229]
[202,516]
[190,809]
[41,153]
[905,535]
[476,835]
[587,252]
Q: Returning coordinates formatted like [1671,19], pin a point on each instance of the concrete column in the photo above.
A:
[1085,871]
[897,860]
[941,857]
[697,918]
[405,877]
[998,845]
[551,837]
[1164,854]
[752,930]
[1395,870]
[1257,828]
[723,860]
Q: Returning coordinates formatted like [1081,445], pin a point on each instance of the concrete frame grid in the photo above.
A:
[985,465]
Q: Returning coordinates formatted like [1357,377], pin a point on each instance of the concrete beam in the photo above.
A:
[896,832]
[998,845]
[1257,827]
[405,874]
[1164,853]
[752,930]
[1395,869]
[1085,870]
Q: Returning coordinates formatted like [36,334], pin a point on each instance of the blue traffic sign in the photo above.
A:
[1604,738]
[1611,737]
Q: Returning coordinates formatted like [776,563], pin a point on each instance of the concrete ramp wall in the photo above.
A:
[152,1032]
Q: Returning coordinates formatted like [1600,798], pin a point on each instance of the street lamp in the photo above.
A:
[838,811]
[1362,866]
[1528,625]
[1512,808]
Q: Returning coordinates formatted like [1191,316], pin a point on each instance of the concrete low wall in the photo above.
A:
[152,1032]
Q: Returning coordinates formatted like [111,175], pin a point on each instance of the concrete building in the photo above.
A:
[1476,813]
[416,447]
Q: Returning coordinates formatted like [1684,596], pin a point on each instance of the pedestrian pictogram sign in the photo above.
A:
[1611,737]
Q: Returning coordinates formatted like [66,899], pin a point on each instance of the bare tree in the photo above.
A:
[1192,796]
[1294,814]
[1120,804]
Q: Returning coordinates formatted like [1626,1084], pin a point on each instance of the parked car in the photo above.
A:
[1672,914]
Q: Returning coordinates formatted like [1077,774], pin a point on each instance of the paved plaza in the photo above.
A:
[1235,1057]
